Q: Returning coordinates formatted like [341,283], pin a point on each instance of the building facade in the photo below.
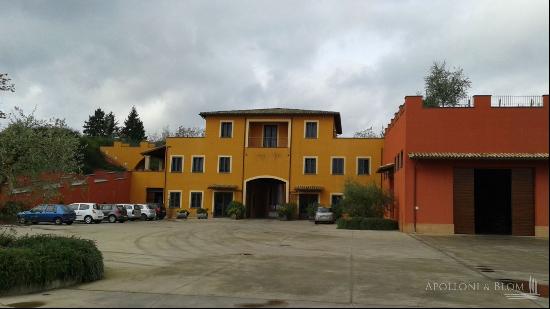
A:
[477,168]
[258,157]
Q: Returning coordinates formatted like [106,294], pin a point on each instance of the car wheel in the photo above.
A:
[69,222]
[58,221]
[22,220]
[143,217]
[88,220]
[112,219]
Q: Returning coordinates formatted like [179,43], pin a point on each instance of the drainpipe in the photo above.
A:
[243,197]
[414,196]
[165,177]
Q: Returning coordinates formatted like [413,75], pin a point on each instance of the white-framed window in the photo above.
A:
[311,129]
[226,128]
[310,165]
[197,164]
[337,165]
[335,198]
[224,164]
[363,165]
[176,164]
[174,199]
[195,199]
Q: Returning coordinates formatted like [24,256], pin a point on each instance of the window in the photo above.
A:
[337,166]
[226,129]
[363,166]
[270,136]
[224,165]
[311,129]
[198,165]
[310,165]
[177,164]
[50,208]
[196,200]
[84,207]
[336,198]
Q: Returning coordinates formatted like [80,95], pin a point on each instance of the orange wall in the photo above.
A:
[125,155]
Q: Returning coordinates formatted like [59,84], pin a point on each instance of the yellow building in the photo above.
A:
[260,157]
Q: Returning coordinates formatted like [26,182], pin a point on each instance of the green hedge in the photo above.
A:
[35,262]
[360,223]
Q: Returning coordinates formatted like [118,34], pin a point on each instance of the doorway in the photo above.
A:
[154,195]
[493,201]
[304,200]
[262,197]
[221,201]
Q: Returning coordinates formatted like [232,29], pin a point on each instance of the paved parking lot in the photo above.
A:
[264,263]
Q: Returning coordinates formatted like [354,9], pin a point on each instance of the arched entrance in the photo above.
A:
[263,194]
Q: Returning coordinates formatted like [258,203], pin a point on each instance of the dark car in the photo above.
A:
[114,213]
[55,213]
[160,210]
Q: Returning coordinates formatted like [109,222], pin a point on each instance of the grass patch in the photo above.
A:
[360,223]
[35,262]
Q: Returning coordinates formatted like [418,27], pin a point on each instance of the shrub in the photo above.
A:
[236,209]
[359,223]
[287,211]
[202,211]
[8,211]
[337,210]
[7,237]
[40,260]
[364,200]
[312,209]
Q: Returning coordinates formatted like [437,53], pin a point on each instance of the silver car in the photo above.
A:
[324,215]
[133,211]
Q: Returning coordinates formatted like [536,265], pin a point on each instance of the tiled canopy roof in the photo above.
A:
[386,168]
[477,156]
[223,187]
[308,188]
[277,112]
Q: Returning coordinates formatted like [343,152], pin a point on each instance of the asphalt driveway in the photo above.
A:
[265,263]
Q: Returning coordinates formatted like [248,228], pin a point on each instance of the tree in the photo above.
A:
[95,126]
[133,130]
[32,150]
[110,126]
[369,133]
[189,132]
[5,85]
[445,87]
[364,200]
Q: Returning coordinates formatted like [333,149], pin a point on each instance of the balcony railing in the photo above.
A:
[516,101]
[267,142]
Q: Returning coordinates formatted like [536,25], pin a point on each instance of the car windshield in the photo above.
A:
[66,208]
[73,207]
[323,210]
[96,207]
[137,206]
[151,206]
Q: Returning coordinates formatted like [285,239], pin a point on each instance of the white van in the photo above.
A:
[87,212]
[133,210]
[148,212]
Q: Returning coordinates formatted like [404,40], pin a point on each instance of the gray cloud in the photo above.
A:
[173,59]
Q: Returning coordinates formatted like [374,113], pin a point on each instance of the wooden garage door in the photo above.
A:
[463,201]
[523,202]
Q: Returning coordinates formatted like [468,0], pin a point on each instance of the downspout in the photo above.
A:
[244,154]
[166,175]
[415,207]
[290,156]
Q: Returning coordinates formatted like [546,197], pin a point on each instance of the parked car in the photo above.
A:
[159,209]
[324,214]
[87,212]
[148,212]
[114,213]
[133,211]
[55,213]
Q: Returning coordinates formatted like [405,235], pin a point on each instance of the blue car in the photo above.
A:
[55,213]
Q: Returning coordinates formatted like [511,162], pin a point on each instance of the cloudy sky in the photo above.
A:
[174,59]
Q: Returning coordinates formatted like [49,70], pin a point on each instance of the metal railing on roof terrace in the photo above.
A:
[466,102]
[516,101]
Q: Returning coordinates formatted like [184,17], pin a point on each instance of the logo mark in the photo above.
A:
[533,291]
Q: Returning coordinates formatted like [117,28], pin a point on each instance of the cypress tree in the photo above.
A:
[133,131]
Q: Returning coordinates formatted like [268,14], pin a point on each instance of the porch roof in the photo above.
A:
[223,187]
[386,168]
[476,156]
[308,188]
[155,152]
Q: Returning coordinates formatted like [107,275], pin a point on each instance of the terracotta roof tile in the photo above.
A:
[476,156]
